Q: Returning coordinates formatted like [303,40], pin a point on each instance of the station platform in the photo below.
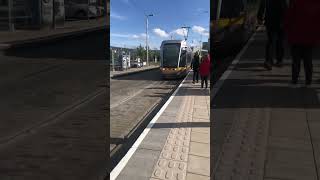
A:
[263,127]
[68,29]
[115,74]
[176,143]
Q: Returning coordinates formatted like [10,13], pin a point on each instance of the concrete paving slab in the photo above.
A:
[283,171]
[290,164]
[315,129]
[199,149]
[140,166]
[156,139]
[201,119]
[164,118]
[199,165]
[316,145]
[200,137]
[313,114]
[288,143]
[191,176]
[201,129]
[280,120]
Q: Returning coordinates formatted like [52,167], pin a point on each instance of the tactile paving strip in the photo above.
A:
[172,163]
[244,151]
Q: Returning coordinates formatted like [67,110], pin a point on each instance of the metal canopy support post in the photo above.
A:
[217,15]
[53,14]
[219,9]
[11,25]
[88,10]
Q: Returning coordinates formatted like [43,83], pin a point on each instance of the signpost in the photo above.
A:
[113,59]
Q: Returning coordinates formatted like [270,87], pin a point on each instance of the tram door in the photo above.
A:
[183,58]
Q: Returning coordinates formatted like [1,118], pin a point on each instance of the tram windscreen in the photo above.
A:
[171,55]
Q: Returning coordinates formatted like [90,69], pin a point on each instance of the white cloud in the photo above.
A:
[117,16]
[200,30]
[143,35]
[131,36]
[206,34]
[120,35]
[180,32]
[160,33]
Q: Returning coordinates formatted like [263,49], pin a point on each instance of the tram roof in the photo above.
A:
[173,41]
[182,42]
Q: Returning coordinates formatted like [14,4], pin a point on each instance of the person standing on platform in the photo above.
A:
[302,29]
[195,67]
[272,12]
[205,70]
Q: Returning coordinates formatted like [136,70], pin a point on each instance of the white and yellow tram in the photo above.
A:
[176,57]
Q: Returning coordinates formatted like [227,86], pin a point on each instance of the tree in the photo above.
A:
[140,52]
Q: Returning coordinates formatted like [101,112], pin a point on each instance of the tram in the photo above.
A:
[232,24]
[175,59]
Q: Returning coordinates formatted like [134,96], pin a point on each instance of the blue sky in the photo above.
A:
[128,28]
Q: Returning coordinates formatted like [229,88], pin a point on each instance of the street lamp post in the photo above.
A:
[147,48]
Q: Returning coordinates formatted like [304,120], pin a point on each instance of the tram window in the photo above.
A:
[171,55]
[229,8]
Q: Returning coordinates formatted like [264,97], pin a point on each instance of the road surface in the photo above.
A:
[53,110]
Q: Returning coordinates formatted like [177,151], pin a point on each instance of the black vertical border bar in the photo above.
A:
[212,12]
[107,52]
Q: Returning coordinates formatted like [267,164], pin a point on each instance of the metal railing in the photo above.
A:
[16,21]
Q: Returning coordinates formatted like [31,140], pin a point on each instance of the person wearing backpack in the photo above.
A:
[272,12]
[205,70]
[302,29]
[195,67]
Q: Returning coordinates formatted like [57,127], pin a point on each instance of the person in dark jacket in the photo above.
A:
[195,67]
[205,70]
[302,30]
[272,12]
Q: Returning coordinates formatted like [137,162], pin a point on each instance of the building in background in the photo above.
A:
[36,14]
[23,14]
